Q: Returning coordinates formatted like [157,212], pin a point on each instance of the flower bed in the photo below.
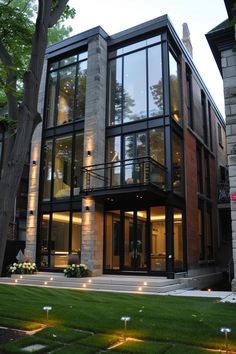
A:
[77,271]
[22,268]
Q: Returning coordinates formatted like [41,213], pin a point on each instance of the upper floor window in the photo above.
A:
[174,88]
[66,90]
[220,135]
[63,161]
[204,118]
[189,97]
[135,83]
[177,164]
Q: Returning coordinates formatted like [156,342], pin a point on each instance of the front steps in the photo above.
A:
[112,283]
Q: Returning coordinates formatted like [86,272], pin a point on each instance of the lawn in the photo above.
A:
[89,322]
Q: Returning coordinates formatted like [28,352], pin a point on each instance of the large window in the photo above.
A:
[174,88]
[158,238]
[66,90]
[178,241]
[177,164]
[62,169]
[135,82]
[60,236]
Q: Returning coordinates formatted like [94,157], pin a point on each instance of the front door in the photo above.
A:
[135,231]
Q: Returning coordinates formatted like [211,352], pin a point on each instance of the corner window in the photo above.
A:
[135,85]
[189,97]
[174,89]
[177,164]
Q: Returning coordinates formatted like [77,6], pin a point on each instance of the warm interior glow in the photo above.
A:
[63,218]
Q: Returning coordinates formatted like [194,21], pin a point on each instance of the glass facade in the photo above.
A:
[66,90]
[158,239]
[177,164]
[135,83]
[174,88]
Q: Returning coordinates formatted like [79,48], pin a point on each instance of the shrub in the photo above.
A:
[22,268]
[77,271]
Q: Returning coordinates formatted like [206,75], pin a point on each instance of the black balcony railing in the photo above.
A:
[126,173]
[223,193]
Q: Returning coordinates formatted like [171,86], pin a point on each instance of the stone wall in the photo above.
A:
[228,62]
[94,142]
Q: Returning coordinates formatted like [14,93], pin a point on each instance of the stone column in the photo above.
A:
[94,142]
[33,189]
[228,60]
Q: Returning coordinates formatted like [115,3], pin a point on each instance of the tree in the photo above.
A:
[17,35]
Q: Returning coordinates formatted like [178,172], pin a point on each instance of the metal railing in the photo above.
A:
[223,193]
[125,173]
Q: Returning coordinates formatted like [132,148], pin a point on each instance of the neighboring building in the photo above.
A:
[130,157]
[222,42]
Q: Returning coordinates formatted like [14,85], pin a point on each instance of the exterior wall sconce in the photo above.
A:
[89,153]
[31,212]
[34,162]
[87,208]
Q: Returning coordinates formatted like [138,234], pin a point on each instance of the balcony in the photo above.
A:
[139,173]
[223,193]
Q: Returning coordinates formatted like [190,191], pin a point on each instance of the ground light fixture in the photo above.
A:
[47,309]
[125,319]
[226,331]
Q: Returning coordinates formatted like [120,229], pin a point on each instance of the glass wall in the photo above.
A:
[177,164]
[113,238]
[174,88]
[64,165]
[66,90]
[60,235]
[158,239]
[47,170]
[113,157]
[135,82]
[178,241]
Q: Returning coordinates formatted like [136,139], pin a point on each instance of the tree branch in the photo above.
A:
[10,84]
[57,12]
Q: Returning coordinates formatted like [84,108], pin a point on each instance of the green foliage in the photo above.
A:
[17,23]
[169,324]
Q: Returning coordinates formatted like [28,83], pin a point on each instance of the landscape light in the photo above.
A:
[145,283]
[125,319]
[51,278]
[89,281]
[140,288]
[47,308]
[226,330]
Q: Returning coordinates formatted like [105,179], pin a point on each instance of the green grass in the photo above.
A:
[166,324]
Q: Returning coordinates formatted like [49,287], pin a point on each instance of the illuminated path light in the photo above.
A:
[226,330]
[125,319]
[47,308]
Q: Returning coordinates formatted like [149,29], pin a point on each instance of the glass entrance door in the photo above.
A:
[135,231]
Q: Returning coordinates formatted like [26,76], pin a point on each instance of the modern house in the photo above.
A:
[222,43]
[125,167]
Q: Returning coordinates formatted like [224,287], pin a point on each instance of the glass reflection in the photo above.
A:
[44,236]
[52,82]
[66,95]
[155,81]
[178,241]
[114,156]
[78,163]
[115,91]
[112,244]
[76,233]
[62,167]
[59,238]
[158,239]
[81,91]
[157,150]
[134,94]
[47,170]
[177,164]
[174,88]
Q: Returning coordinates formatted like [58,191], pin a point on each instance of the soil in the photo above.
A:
[7,335]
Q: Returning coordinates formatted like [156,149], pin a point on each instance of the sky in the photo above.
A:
[200,15]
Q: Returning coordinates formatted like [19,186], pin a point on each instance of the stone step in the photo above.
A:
[119,283]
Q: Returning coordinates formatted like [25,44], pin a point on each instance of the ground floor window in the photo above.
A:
[136,240]
[60,235]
